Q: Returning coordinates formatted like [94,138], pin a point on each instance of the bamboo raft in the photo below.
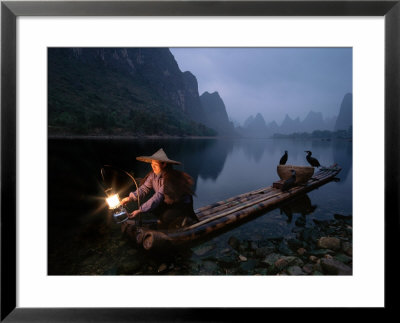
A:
[225,213]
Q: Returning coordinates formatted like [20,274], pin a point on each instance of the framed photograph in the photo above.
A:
[99,96]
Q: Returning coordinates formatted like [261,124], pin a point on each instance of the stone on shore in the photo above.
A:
[329,243]
[271,259]
[242,258]
[202,250]
[294,261]
[301,251]
[308,268]
[348,248]
[343,258]
[281,264]
[264,251]
[295,271]
[335,267]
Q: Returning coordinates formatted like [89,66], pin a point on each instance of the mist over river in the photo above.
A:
[82,239]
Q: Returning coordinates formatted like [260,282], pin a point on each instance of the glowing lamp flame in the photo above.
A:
[113,201]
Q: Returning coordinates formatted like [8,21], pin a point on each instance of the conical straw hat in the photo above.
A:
[160,155]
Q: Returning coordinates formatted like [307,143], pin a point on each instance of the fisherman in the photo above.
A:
[172,201]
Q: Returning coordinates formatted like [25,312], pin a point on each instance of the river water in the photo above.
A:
[82,239]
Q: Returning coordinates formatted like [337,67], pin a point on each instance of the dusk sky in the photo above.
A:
[271,81]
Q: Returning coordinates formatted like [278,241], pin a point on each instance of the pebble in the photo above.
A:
[271,258]
[329,243]
[347,248]
[242,258]
[203,250]
[281,263]
[162,268]
[301,251]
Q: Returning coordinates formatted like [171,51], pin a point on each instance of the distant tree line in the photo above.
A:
[318,134]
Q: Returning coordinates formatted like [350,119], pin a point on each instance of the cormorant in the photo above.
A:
[313,161]
[290,181]
[283,159]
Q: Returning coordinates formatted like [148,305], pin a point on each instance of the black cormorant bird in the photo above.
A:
[290,181]
[283,159]
[313,161]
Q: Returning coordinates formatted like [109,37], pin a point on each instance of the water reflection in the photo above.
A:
[301,205]
[206,161]
[342,155]
[254,149]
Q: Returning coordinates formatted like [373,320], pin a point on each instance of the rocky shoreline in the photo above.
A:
[322,249]
[317,248]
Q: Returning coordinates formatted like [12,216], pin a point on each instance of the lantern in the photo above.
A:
[120,214]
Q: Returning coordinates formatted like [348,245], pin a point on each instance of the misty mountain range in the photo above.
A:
[256,127]
[142,91]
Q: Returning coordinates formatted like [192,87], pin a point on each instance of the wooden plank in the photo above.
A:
[240,200]
[231,199]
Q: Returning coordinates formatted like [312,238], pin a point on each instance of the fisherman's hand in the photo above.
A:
[134,213]
[125,200]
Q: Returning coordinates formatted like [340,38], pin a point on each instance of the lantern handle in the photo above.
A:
[121,170]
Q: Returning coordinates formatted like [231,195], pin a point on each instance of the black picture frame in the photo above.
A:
[10,10]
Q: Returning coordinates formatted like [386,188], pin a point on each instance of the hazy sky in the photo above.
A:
[272,81]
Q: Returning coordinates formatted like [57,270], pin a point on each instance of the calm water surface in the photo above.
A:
[84,241]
